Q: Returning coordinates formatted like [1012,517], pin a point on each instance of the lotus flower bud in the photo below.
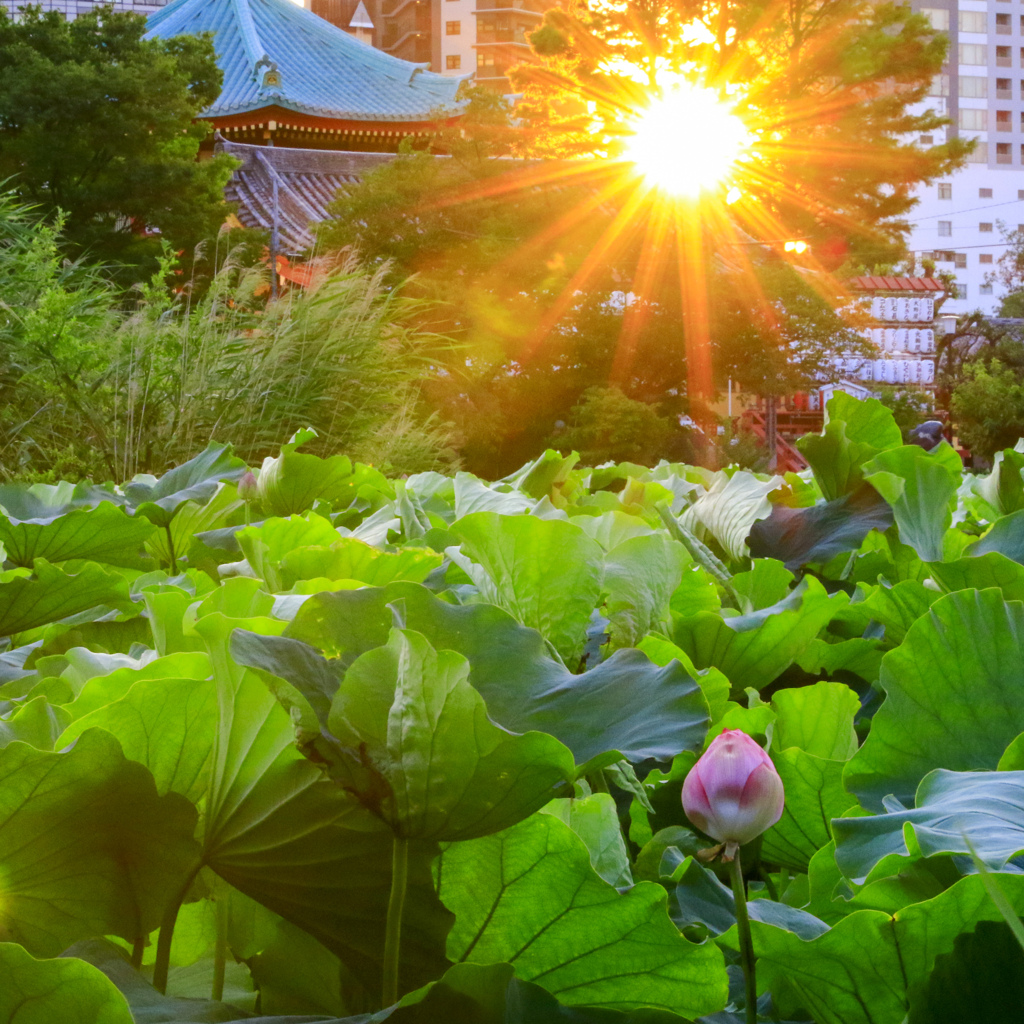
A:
[247,487]
[733,793]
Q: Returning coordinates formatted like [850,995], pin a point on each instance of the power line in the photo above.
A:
[972,209]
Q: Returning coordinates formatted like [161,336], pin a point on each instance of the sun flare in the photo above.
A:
[687,142]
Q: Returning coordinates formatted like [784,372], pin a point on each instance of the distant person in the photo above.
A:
[928,435]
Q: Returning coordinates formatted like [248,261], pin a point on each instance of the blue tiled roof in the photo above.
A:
[275,53]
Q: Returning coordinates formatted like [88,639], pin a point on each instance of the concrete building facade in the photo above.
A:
[961,221]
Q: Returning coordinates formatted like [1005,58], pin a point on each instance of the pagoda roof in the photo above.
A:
[305,182]
[896,284]
[275,53]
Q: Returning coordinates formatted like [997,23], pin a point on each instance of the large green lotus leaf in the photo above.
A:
[729,509]
[713,683]
[102,533]
[196,480]
[493,994]
[766,583]
[860,656]
[47,991]
[801,536]
[818,719]
[192,517]
[87,846]
[351,559]
[546,573]
[921,487]
[546,477]
[953,812]
[626,704]
[865,968]
[610,529]
[979,573]
[952,697]
[289,484]
[50,594]
[814,796]
[700,898]
[898,607]
[147,1005]
[1002,491]
[36,722]
[415,744]
[266,545]
[284,835]
[103,689]
[473,495]
[855,433]
[1006,537]
[42,502]
[528,896]
[640,576]
[982,979]
[595,820]
[165,724]
[752,650]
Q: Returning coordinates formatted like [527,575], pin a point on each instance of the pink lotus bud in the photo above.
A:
[733,793]
[247,486]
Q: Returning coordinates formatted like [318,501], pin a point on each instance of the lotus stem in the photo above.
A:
[170,548]
[396,904]
[220,952]
[746,942]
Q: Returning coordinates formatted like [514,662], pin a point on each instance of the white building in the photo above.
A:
[960,220]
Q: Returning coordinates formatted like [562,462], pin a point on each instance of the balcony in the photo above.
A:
[534,7]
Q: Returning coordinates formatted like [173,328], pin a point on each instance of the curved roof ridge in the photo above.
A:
[312,67]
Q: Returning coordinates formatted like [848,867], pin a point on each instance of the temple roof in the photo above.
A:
[275,53]
[307,180]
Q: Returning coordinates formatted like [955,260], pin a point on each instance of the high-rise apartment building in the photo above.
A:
[482,38]
[961,220]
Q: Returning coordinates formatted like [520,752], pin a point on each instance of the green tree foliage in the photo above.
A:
[988,406]
[606,426]
[90,386]
[98,122]
[824,85]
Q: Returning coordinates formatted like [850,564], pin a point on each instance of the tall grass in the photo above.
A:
[112,387]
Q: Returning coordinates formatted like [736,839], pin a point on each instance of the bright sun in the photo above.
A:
[686,142]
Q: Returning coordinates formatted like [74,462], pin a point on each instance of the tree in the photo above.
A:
[97,122]
[989,405]
[825,86]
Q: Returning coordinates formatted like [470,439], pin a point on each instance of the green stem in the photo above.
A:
[163,947]
[220,951]
[396,903]
[598,783]
[170,548]
[138,949]
[746,943]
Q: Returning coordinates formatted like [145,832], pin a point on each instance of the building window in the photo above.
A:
[1020,193]
[940,86]
[484,60]
[1004,88]
[979,155]
[985,226]
[1004,121]
[985,257]
[926,140]
[973,87]
[974,21]
[976,54]
[945,228]
[453,62]
[960,260]
[1003,26]
[984,193]
[961,290]
[945,190]
[453,28]
[985,289]
[1003,57]
[1004,155]
[938,16]
[974,120]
